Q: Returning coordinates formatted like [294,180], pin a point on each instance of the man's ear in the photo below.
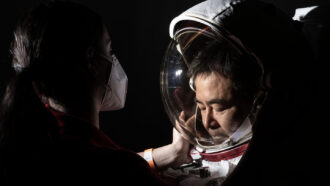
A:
[258,103]
[262,94]
[260,99]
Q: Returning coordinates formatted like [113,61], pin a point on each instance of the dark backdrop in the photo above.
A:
[139,31]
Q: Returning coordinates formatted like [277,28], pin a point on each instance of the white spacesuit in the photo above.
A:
[270,41]
[192,31]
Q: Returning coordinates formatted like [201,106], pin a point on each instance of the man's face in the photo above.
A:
[222,111]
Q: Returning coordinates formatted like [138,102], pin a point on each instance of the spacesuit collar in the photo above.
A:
[241,132]
[226,154]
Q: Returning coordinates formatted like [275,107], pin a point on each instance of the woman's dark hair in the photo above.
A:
[242,69]
[50,45]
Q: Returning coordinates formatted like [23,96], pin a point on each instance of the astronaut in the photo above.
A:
[216,76]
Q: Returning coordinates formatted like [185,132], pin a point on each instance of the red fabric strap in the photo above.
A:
[225,155]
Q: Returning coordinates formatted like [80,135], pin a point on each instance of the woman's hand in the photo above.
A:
[181,149]
[178,152]
[174,154]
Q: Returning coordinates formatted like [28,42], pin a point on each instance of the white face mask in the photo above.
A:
[116,87]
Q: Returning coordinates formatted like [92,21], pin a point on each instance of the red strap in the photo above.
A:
[225,155]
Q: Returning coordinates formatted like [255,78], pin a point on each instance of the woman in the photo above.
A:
[66,73]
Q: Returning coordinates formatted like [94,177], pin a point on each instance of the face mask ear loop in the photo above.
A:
[107,86]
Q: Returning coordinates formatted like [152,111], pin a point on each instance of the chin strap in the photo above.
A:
[226,154]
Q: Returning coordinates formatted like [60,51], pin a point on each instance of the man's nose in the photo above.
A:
[208,117]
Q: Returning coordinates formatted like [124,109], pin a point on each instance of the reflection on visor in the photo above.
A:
[192,40]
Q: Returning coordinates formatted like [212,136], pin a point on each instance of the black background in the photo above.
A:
[140,35]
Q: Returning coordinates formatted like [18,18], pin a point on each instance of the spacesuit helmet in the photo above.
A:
[191,33]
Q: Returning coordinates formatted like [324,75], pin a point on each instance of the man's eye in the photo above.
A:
[219,109]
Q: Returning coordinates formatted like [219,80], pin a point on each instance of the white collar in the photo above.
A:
[242,131]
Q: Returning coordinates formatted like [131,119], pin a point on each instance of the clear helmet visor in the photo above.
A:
[178,93]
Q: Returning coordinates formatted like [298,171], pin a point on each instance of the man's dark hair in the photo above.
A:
[221,57]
